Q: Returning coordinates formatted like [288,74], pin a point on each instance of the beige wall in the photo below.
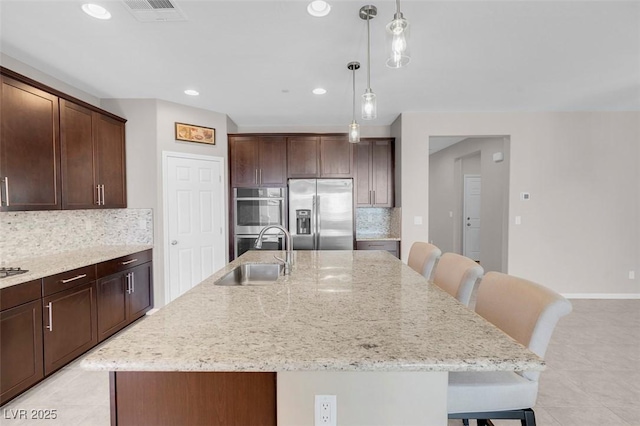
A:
[579,231]
[446,168]
[149,132]
[35,74]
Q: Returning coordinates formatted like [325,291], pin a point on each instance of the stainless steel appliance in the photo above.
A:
[245,243]
[321,214]
[255,208]
[8,272]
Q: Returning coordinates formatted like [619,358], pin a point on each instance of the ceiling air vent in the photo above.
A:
[154,10]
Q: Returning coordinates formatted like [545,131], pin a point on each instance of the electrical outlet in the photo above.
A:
[632,274]
[326,410]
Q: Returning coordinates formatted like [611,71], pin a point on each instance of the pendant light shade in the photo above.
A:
[354,127]
[354,132]
[369,107]
[397,38]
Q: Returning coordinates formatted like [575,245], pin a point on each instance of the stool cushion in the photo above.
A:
[482,391]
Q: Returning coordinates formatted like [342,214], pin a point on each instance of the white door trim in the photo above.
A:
[165,209]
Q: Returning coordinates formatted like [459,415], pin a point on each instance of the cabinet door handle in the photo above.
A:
[6,191]
[260,178]
[133,282]
[50,308]
[102,190]
[255,178]
[73,279]
[369,196]
[128,261]
[128,283]
[98,194]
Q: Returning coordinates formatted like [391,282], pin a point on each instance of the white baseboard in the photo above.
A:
[602,295]
[152,311]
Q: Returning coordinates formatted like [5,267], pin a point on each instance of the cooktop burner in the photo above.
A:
[7,272]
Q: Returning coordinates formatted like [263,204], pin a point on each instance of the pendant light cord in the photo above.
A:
[368,54]
[354,94]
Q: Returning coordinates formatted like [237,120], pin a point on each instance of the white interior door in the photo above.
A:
[194,211]
[471,218]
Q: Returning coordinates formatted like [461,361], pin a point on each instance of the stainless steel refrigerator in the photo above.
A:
[321,214]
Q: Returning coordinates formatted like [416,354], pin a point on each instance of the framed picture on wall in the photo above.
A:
[192,133]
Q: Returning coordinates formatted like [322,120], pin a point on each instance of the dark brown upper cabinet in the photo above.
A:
[29,148]
[93,158]
[257,161]
[57,152]
[319,157]
[374,173]
[336,157]
[110,169]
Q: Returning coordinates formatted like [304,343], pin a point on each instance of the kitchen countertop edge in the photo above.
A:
[45,266]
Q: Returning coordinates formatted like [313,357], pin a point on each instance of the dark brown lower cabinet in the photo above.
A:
[20,349]
[123,297]
[140,298]
[48,322]
[193,398]
[69,325]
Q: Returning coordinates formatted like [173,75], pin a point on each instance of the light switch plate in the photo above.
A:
[417,220]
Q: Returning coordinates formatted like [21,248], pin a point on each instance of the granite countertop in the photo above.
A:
[337,311]
[45,266]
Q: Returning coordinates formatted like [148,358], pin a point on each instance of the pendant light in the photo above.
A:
[354,127]
[369,107]
[397,35]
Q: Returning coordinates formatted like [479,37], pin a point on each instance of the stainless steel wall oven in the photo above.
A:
[255,208]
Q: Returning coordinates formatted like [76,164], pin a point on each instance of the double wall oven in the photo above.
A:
[255,208]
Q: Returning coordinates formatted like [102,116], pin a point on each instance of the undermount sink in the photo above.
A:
[252,274]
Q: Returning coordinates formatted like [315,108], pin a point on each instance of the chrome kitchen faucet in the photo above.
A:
[288,260]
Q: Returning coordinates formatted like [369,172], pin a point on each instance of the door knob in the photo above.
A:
[174,242]
[468,224]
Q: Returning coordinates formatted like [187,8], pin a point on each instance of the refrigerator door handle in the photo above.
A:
[316,227]
[318,222]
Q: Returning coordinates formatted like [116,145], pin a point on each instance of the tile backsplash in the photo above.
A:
[383,222]
[28,234]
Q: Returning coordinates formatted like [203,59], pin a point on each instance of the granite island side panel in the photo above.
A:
[337,311]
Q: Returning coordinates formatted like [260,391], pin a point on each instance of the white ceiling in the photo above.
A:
[258,61]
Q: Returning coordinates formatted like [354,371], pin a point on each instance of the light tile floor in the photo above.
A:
[593,376]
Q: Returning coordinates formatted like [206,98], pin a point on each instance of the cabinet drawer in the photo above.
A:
[67,280]
[392,247]
[20,294]
[377,245]
[125,262]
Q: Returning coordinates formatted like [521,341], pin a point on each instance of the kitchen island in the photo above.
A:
[357,324]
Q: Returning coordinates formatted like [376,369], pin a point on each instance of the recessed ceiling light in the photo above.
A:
[192,92]
[96,11]
[319,91]
[318,8]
